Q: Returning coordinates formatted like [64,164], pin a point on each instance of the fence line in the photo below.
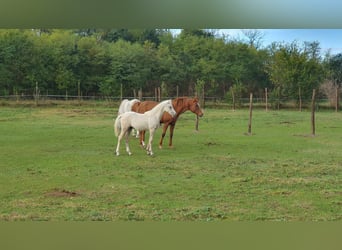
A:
[215,102]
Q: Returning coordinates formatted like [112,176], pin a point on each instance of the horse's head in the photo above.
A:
[169,108]
[194,107]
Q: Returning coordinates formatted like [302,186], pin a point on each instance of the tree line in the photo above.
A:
[110,62]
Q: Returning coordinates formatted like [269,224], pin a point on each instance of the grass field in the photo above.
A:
[58,163]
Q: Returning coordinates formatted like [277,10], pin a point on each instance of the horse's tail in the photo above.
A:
[117,125]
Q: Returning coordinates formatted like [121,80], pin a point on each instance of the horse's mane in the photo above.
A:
[181,101]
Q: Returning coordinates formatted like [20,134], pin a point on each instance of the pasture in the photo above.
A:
[58,164]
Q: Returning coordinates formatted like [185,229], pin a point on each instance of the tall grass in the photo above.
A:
[58,163]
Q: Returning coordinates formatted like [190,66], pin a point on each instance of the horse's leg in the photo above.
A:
[135,133]
[142,138]
[166,125]
[149,145]
[172,127]
[127,145]
[119,140]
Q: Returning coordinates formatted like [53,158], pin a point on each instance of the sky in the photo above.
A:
[329,39]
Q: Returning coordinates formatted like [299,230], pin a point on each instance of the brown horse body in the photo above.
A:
[180,104]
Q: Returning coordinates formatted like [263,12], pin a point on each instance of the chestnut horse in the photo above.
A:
[180,104]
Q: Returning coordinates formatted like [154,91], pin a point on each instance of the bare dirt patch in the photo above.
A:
[61,193]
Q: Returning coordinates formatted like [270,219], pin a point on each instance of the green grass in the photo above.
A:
[58,163]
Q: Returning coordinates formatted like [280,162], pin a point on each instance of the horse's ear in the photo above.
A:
[195,99]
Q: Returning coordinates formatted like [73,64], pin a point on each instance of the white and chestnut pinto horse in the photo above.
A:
[126,106]
[150,120]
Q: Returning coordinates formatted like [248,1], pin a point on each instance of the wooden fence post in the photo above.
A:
[300,99]
[197,121]
[36,94]
[140,94]
[266,96]
[337,99]
[121,92]
[313,129]
[233,96]
[79,92]
[250,114]
[203,97]
[159,94]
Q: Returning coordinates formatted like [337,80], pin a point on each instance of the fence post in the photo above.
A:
[140,94]
[159,94]
[250,114]
[36,94]
[233,96]
[337,99]
[197,121]
[300,99]
[79,92]
[266,96]
[203,96]
[121,91]
[313,129]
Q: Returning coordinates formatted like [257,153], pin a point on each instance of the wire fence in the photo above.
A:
[207,102]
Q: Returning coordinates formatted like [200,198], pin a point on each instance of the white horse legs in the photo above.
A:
[122,134]
[135,133]
[126,134]
[149,144]
[127,145]
[117,152]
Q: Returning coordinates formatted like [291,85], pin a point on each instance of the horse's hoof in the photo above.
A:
[129,153]
[160,147]
[117,154]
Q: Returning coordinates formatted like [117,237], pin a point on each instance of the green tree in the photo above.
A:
[63,46]
[193,57]
[93,64]
[293,67]
[333,65]
[104,59]
[131,66]
[42,62]
[16,53]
